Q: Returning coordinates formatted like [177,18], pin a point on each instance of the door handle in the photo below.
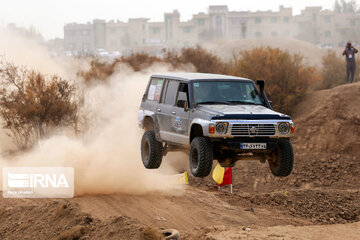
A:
[159,110]
[173,113]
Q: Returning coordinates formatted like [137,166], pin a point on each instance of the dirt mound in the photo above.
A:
[329,121]
[319,206]
[49,219]
[327,139]
[329,232]
[312,54]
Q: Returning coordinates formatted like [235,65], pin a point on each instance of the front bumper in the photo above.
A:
[233,144]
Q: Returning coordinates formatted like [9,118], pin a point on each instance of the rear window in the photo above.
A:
[155,88]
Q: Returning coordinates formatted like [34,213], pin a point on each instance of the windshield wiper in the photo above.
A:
[244,102]
[213,102]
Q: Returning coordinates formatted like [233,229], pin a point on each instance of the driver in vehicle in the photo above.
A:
[203,94]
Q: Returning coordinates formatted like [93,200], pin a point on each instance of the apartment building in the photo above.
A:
[322,27]
[79,37]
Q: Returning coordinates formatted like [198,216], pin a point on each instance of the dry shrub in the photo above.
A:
[98,71]
[139,61]
[33,105]
[287,78]
[203,60]
[173,57]
[334,70]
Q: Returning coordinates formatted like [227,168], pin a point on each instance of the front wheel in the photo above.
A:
[282,160]
[151,150]
[201,157]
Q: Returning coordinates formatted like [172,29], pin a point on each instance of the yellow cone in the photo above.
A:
[183,178]
[218,174]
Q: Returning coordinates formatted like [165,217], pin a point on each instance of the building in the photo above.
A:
[321,27]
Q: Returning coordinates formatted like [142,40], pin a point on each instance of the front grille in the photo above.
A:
[253,130]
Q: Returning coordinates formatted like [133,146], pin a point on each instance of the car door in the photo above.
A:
[165,109]
[180,115]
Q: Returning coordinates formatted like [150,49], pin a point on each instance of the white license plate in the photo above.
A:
[253,145]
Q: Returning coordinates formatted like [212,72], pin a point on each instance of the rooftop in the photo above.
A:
[187,76]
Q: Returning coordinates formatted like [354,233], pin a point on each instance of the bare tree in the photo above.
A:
[32,105]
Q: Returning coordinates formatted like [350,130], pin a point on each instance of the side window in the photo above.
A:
[183,93]
[166,83]
[171,92]
[155,88]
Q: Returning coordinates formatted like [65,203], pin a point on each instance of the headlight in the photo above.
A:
[284,128]
[221,127]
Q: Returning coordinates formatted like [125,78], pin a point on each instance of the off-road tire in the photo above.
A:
[171,234]
[282,160]
[151,150]
[201,157]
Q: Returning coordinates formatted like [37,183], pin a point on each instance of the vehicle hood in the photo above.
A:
[219,111]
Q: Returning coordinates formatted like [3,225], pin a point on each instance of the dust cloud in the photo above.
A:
[29,52]
[107,158]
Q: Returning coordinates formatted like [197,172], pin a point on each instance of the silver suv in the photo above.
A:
[211,117]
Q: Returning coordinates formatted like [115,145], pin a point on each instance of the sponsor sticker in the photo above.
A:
[151,94]
[160,83]
[38,182]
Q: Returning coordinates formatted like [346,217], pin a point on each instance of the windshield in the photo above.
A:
[225,92]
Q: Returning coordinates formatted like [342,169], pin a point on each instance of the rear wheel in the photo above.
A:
[282,160]
[201,157]
[151,150]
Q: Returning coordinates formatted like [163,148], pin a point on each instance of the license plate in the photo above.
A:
[253,145]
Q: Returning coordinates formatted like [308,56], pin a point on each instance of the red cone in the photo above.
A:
[227,177]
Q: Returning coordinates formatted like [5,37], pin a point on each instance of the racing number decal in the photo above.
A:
[177,125]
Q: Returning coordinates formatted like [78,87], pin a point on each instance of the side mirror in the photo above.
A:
[182,104]
[270,102]
[261,84]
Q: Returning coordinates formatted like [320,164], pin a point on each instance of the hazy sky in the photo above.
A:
[49,16]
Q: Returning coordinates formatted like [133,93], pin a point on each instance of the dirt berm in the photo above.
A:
[323,189]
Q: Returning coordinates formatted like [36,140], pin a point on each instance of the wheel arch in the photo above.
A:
[196,125]
[150,123]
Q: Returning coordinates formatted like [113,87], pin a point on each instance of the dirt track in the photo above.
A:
[320,200]
[197,214]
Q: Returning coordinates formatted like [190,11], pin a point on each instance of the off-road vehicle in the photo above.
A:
[213,117]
